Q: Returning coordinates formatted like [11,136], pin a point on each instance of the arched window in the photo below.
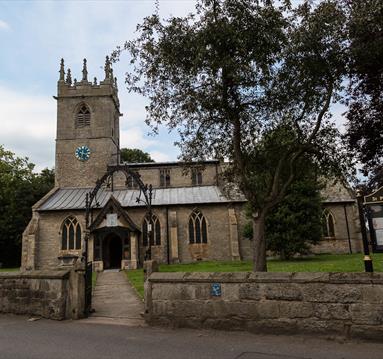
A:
[165,178]
[197,228]
[328,224]
[130,182]
[83,117]
[196,177]
[71,234]
[151,229]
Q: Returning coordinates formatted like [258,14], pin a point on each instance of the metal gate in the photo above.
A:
[88,289]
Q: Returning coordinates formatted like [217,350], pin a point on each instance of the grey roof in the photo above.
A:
[74,198]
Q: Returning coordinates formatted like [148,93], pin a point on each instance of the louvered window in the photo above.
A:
[83,117]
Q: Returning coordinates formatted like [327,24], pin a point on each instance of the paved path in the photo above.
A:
[115,301]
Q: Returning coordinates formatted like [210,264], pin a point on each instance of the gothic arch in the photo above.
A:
[71,234]
[154,238]
[328,224]
[82,115]
[197,227]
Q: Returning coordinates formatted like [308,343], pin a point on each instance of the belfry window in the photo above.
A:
[151,230]
[83,117]
[130,182]
[71,234]
[328,224]
[197,228]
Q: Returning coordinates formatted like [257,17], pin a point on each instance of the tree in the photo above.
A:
[20,188]
[365,92]
[295,223]
[234,72]
[135,155]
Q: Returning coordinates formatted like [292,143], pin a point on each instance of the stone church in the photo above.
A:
[193,217]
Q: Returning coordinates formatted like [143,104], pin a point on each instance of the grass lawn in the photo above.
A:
[9,269]
[318,263]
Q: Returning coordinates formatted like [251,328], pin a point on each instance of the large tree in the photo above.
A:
[135,155]
[20,188]
[237,70]
[365,92]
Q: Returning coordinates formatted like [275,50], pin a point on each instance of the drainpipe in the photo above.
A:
[167,235]
[348,229]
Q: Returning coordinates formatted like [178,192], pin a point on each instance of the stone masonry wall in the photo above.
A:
[345,304]
[48,294]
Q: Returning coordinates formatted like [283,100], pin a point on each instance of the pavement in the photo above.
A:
[115,301]
[47,339]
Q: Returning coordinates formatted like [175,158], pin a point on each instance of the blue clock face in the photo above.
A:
[82,153]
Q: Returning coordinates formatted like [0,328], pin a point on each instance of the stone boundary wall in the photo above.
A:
[49,294]
[331,304]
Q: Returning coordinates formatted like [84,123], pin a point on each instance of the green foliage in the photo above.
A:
[236,71]
[20,188]
[296,222]
[135,155]
[365,100]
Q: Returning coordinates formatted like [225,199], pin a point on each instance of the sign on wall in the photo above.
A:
[111,220]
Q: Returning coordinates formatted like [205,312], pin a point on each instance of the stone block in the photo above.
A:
[310,277]
[332,311]
[370,314]
[369,332]
[270,277]
[250,291]
[331,293]
[283,291]
[292,310]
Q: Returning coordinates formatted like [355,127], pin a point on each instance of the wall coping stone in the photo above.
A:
[268,277]
[38,274]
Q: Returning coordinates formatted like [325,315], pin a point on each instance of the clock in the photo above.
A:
[82,153]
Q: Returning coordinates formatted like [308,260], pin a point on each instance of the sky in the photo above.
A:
[35,35]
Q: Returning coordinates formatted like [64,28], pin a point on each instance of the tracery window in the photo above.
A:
[196,177]
[151,230]
[197,228]
[165,178]
[328,224]
[71,234]
[83,117]
[131,183]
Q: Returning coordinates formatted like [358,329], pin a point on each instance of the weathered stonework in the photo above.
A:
[48,294]
[340,304]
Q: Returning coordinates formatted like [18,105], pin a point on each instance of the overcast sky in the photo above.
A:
[35,35]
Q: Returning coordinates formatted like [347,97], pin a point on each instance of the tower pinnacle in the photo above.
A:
[84,72]
[62,70]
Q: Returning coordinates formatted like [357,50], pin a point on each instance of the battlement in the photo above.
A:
[66,87]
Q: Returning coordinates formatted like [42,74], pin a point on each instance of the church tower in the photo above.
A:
[87,127]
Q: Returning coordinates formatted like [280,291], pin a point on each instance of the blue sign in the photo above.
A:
[216,290]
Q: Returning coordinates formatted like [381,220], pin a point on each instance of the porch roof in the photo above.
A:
[74,198]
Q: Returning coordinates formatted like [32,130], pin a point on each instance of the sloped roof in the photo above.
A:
[74,198]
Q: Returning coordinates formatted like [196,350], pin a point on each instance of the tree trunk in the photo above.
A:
[259,248]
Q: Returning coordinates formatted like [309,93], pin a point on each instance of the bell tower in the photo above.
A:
[88,131]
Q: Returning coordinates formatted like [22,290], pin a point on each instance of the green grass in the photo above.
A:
[318,263]
[94,279]
[9,269]
[136,279]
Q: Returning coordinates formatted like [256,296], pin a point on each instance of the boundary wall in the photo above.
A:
[331,304]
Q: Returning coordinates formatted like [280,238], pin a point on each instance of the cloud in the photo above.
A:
[4,25]
[160,156]
[27,126]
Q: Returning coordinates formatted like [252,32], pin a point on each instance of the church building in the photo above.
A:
[194,215]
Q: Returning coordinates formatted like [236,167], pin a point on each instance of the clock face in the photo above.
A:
[82,153]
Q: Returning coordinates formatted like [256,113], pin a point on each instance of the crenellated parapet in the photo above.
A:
[66,87]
